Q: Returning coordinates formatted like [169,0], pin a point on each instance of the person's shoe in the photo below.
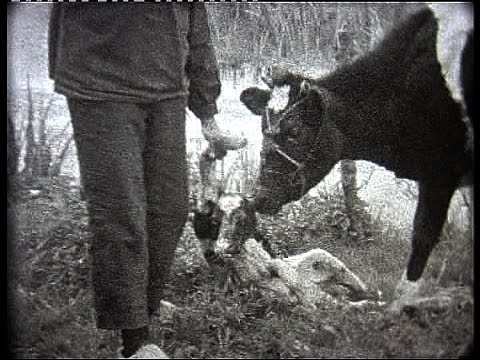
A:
[149,351]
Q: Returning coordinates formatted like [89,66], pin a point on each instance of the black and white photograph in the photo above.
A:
[244,179]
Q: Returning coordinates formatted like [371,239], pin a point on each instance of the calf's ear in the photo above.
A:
[255,99]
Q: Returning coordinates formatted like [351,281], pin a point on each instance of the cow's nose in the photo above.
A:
[232,250]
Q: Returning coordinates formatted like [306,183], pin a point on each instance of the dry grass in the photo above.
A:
[50,308]
[53,314]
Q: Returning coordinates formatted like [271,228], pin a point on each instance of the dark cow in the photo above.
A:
[391,107]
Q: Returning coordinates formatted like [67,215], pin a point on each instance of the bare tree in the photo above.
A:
[44,152]
[30,143]
[346,52]
[39,160]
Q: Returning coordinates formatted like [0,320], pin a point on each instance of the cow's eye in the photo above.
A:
[293,132]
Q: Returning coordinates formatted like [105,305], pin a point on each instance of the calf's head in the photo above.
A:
[298,137]
[239,224]
[223,227]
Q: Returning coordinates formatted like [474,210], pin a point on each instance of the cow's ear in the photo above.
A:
[255,99]
[281,76]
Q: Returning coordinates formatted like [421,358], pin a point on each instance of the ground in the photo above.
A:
[53,314]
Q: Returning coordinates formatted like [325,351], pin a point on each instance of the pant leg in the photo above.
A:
[167,190]
[110,141]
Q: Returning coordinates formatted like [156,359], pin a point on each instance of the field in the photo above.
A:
[53,314]
[51,309]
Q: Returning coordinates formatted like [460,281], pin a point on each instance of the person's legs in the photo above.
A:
[110,141]
[125,163]
[165,169]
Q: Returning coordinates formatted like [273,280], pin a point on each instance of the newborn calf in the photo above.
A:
[223,227]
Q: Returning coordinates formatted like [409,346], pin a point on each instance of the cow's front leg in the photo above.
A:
[433,202]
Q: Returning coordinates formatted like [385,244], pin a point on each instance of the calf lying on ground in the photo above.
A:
[391,107]
[224,226]
[311,278]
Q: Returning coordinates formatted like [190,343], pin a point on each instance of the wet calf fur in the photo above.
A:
[206,224]
[233,226]
[391,107]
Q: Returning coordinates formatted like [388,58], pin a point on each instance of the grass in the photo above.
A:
[52,312]
[53,315]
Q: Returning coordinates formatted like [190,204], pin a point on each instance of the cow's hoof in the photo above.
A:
[406,288]
[404,293]
[434,299]
[396,307]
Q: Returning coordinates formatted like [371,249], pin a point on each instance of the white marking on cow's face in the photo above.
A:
[279,98]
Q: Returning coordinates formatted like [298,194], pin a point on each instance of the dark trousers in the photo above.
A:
[133,167]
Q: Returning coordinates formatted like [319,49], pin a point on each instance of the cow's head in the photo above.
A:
[297,134]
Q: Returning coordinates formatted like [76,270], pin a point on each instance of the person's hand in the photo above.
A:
[220,141]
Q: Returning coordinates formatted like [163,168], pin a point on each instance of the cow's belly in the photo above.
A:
[421,160]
